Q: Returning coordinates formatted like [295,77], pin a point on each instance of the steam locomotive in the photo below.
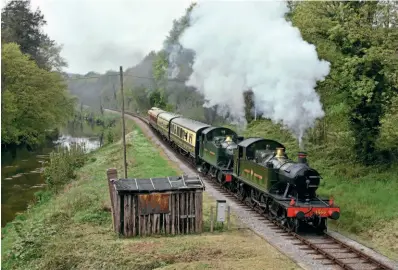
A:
[258,170]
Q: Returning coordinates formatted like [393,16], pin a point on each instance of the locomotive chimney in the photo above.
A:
[302,157]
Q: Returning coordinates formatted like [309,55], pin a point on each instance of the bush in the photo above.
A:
[110,136]
[62,165]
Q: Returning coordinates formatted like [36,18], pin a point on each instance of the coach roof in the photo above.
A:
[168,116]
[189,124]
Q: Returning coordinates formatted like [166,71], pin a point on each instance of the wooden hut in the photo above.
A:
[166,205]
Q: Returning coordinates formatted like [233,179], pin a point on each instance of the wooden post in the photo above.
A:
[112,176]
[114,96]
[211,219]
[123,125]
[228,217]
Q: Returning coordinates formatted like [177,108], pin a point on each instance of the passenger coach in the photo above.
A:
[185,133]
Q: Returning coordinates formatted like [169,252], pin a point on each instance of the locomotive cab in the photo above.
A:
[217,146]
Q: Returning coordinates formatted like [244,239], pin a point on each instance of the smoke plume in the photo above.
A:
[249,45]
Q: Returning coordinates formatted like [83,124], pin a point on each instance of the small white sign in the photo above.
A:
[221,205]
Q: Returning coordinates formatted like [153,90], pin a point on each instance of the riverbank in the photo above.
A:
[74,228]
[21,167]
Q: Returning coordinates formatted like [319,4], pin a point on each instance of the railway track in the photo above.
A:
[325,247]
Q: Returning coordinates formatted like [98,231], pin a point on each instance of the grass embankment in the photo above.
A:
[368,196]
[73,229]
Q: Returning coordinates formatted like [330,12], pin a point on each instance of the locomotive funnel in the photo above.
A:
[302,157]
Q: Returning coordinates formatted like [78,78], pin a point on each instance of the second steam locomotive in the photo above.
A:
[258,170]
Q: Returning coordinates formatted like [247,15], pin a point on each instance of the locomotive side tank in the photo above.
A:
[294,178]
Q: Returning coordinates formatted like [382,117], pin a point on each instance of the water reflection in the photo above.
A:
[21,167]
[89,144]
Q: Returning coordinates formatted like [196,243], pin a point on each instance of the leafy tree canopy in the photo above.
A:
[33,100]
[23,26]
[360,39]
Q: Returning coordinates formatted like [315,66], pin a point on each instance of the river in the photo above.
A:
[21,169]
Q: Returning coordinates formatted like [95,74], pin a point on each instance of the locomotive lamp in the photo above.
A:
[331,201]
[292,202]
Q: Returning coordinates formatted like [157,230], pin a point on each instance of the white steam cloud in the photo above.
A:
[249,45]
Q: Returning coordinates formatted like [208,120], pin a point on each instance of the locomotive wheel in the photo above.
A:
[241,192]
[292,224]
[270,212]
[252,198]
[321,228]
[220,177]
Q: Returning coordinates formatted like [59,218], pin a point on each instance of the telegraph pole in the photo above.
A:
[123,125]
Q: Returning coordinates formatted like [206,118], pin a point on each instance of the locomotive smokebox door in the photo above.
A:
[221,205]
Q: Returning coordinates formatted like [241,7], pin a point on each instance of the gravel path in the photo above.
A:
[298,253]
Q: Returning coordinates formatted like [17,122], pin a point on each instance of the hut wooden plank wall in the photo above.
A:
[168,205]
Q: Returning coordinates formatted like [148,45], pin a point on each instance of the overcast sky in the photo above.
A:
[99,35]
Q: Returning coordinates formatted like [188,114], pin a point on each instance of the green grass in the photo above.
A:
[73,230]
[367,196]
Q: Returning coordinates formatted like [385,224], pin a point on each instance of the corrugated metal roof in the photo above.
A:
[160,184]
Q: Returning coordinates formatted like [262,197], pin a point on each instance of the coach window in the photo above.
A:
[190,138]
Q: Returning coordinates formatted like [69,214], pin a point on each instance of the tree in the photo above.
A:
[33,100]
[360,40]
[249,105]
[21,25]
[156,99]
[210,114]
[171,58]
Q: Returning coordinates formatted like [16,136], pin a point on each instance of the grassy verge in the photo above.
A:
[73,230]
[368,196]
